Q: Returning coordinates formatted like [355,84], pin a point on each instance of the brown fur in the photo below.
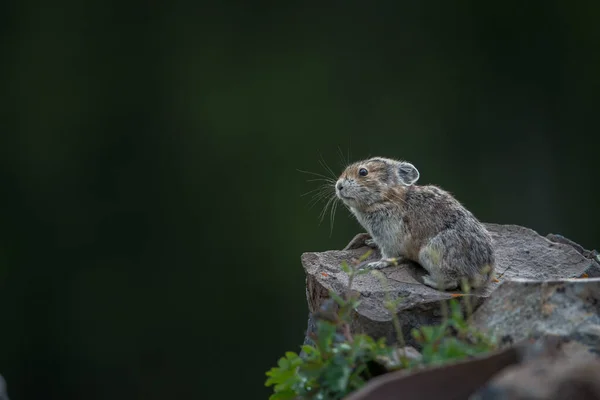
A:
[424,224]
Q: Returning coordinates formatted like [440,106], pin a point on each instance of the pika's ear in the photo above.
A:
[407,173]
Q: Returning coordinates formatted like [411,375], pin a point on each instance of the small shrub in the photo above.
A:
[454,339]
[339,363]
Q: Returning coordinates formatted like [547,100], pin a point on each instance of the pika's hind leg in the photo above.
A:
[440,257]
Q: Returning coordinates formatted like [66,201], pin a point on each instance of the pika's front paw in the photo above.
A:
[441,285]
[383,263]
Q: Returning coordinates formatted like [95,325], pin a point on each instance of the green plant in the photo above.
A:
[454,339]
[339,362]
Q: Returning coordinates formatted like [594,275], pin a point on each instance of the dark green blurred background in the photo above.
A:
[152,219]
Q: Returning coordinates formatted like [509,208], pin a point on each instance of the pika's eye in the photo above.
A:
[363,172]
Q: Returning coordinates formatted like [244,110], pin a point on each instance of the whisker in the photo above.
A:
[318,197]
[324,165]
[321,179]
[325,191]
[348,155]
[342,159]
[322,215]
[393,197]
[322,187]
[323,211]
[313,203]
[332,217]
[314,173]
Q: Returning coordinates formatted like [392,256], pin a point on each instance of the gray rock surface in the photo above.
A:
[567,371]
[520,252]
[449,382]
[547,368]
[522,309]
[594,269]
[3,395]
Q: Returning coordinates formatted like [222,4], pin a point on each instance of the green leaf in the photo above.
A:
[283,363]
[311,366]
[416,334]
[280,387]
[428,333]
[334,367]
[338,299]
[337,375]
[365,256]
[309,350]
[355,303]
[345,267]
[296,362]
[283,395]
[456,310]
[325,334]
[270,382]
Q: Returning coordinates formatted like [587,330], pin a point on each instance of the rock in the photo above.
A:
[421,305]
[449,382]
[395,362]
[3,395]
[522,309]
[594,269]
[410,353]
[566,372]
[520,253]
[525,371]
[523,253]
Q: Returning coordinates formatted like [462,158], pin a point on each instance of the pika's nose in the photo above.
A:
[339,186]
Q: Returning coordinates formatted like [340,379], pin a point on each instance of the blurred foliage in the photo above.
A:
[454,339]
[340,362]
[149,156]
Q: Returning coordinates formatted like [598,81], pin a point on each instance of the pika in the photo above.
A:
[424,224]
